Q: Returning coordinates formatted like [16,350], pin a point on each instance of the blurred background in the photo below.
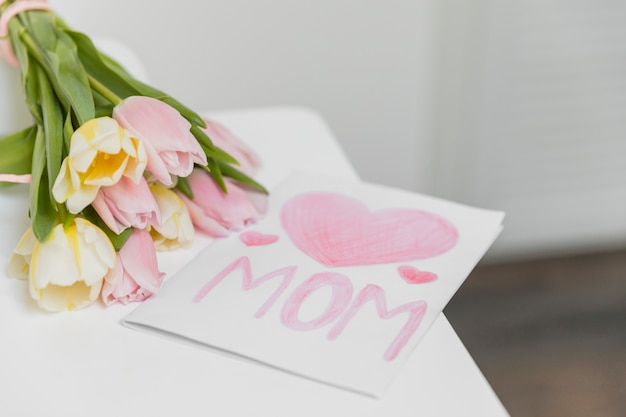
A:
[516,106]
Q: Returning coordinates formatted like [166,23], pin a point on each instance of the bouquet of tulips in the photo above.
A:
[116,169]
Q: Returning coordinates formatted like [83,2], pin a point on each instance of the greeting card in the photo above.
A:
[338,283]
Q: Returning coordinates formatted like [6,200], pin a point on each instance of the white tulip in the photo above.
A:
[66,271]
[176,229]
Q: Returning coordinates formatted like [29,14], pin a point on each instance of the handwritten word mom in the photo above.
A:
[341,308]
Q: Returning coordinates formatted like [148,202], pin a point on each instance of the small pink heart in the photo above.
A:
[257,239]
[413,275]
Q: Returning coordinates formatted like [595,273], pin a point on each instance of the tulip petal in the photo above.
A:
[249,161]
[62,183]
[156,166]
[101,205]
[260,201]
[55,260]
[96,255]
[101,152]
[232,211]
[203,222]
[118,286]
[66,270]
[81,198]
[127,204]
[140,261]
[176,228]
[19,261]
[165,132]
[59,298]
[136,275]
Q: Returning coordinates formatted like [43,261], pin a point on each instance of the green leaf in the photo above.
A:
[220,155]
[67,73]
[53,126]
[73,78]
[16,152]
[68,131]
[105,110]
[43,215]
[210,149]
[36,53]
[182,184]
[98,69]
[214,171]
[202,137]
[28,76]
[40,24]
[103,106]
[235,174]
[44,218]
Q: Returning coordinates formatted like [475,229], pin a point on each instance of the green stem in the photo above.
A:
[104,91]
[66,217]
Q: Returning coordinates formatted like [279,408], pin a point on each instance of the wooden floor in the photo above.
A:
[549,335]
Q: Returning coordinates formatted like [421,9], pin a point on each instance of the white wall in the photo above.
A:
[531,119]
[518,106]
[364,65]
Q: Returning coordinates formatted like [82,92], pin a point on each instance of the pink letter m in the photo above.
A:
[416,310]
[248,283]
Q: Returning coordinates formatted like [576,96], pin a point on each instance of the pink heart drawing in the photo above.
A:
[338,230]
[413,275]
[257,238]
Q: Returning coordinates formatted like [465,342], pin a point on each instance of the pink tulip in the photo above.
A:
[170,146]
[217,213]
[127,204]
[136,275]
[224,139]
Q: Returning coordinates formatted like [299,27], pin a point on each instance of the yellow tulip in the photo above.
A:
[100,153]
[67,270]
[176,229]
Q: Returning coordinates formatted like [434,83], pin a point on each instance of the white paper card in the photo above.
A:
[338,283]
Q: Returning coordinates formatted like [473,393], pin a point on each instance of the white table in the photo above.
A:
[85,363]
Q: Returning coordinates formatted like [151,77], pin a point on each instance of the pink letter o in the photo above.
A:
[342,293]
